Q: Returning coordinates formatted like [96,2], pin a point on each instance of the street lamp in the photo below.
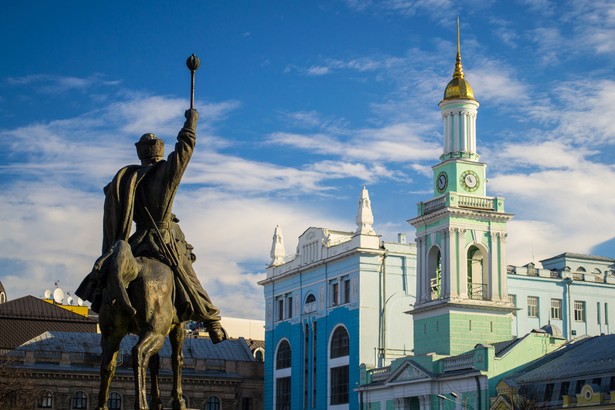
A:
[463,403]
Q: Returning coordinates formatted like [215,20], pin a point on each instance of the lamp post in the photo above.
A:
[464,404]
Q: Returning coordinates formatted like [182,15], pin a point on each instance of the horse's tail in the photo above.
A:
[122,269]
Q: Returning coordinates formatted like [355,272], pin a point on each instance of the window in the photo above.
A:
[310,304]
[339,385]
[564,389]
[606,313]
[115,401]
[548,392]
[282,393]
[579,311]
[80,400]
[599,312]
[339,375]
[45,400]
[532,306]
[339,343]
[346,289]
[213,403]
[2,297]
[280,309]
[246,403]
[335,293]
[282,376]
[556,309]
[283,358]
[289,305]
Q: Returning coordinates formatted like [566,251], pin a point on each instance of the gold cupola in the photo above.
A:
[458,87]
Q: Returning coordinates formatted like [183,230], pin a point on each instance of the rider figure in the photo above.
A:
[144,194]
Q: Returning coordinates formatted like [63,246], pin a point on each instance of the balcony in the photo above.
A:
[455,200]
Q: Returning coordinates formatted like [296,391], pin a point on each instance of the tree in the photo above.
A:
[17,390]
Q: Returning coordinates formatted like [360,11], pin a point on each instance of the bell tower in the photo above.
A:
[462,295]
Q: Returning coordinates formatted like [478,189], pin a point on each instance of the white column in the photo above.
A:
[503,270]
[463,269]
[494,278]
[445,281]
[452,245]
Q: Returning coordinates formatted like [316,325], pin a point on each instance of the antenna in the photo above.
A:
[58,296]
[47,294]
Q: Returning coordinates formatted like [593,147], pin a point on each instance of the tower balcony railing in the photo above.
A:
[477,291]
[455,200]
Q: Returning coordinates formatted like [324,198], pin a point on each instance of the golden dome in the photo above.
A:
[458,87]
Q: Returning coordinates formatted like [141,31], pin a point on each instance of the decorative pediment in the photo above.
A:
[408,372]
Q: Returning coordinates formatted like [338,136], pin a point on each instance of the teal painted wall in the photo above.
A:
[457,333]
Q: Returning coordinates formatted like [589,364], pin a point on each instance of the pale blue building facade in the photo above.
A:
[338,302]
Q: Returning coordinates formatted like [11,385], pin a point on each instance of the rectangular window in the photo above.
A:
[289,306]
[335,293]
[280,309]
[579,311]
[282,393]
[548,392]
[246,403]
[564,389]
[556,309]
[339,385]
[606,313]
[513,299]
[599,312]
[532,306]
[346,289]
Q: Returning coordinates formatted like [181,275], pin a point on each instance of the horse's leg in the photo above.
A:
[110,345]
[154,368]
[149,344]
[177,335]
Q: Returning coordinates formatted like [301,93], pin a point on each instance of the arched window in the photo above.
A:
[115,401]
[581,269]
[259,355]
[310,304]
[2,297]
[282,393]
[339,343]
[80,401]
[339,381]
[45,400]
[284,355]
[213,403]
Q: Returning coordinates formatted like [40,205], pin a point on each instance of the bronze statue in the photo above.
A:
[144,283]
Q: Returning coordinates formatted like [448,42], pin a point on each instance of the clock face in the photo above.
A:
[442,181]
[469,181]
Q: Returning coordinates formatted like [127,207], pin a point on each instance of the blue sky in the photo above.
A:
[301,103]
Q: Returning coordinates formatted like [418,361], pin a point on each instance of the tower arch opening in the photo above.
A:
[434,272]
[478,275]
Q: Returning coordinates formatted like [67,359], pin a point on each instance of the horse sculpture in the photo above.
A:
[147,310]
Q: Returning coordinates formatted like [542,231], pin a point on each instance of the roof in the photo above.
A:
[89,343]
[27,317]
[586,357]
[580,256]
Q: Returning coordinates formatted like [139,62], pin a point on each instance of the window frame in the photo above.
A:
[533,309]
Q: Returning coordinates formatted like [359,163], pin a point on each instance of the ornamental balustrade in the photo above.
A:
[459,362]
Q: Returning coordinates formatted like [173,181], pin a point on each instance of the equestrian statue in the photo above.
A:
[144,282]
